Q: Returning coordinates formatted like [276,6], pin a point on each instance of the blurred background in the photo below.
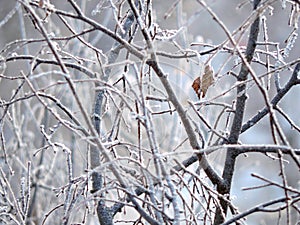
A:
[193,26]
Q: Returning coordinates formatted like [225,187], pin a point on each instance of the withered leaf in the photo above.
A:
[196,86]
[202,85]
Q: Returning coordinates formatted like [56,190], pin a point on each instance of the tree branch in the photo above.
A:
[294,80]
[260,208]
[39,61]
[238,116]
[153,63]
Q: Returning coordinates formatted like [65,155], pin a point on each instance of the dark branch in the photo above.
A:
[39,61]
[294,80]
[238,118]
[261,208]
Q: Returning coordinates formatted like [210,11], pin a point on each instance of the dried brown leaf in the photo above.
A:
[202,85]
[196,86]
